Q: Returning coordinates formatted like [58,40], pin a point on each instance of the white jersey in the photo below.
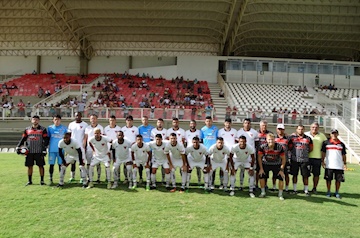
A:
[242,155]
[141,153]
[121,150]
[89,131]
[158,151]
[251,136]
[77,131]
[130,133]
[217,155]
[175,151]
[111,132]
[180,134]
[155,131]
[229,136]
[189,135]
[100,147]
[70,149]
[197,155]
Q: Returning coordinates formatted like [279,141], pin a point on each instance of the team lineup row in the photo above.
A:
[206,149]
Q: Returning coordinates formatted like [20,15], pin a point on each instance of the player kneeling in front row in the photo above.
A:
[140,155]
[175,153]
[120,150]
[159,159]
[72,155]
[244,159]
[197,156]
[271,157]
[98,144]
[219,154]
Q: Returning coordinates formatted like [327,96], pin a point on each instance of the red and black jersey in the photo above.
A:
[261,138]
[36,139]
[300,147]
[271,156]
[284,141]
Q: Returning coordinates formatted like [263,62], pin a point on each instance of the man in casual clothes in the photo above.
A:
[333,158]
[36,140]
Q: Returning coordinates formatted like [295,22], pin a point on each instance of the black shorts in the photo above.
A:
[37,158]
[275,170]
[336,174]
[315,166]
[287,169]
[303,166]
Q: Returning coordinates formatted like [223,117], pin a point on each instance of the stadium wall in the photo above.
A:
[17,65]
[111,64]
[167,72]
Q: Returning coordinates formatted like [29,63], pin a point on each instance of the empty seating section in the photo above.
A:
[341,93]
[267,97]
[28,85]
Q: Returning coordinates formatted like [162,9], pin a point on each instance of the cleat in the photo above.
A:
[273,190]
[173,190]
[60,185]
[314,191]
[251,194]
[152,187]
[109,185]
[134,187]
[221,187]
[71,180]
[125,181]
[226,189]
[241,188]
[337,196]
[294,192]
[212,187]
[262,195]
[147,188]
[281,198]
[91,185]
[42,183]
[307,194]
[97,181]
[114,186]
[328,194]
[182,190]
[232,193]
[84,186]
[28,183]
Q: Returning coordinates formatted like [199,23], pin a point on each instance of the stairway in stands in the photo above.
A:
[220,104]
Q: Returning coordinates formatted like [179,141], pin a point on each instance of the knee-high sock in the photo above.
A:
[206,180]
[134,174]
[125,173]
[225,179]
[128,169]
[141,168]
[162,174]
[188,179]
[183,179]
[116,174]
[73,168]
[198,172]
[232,181]
[91,173]
[107,169]
[98,169]
[62,174]
[242,175]
[83,173]
[211,175]
[147,170]
[153,179]
[51,171]
[88,171]
[167,179]
[173,177]
[251,183]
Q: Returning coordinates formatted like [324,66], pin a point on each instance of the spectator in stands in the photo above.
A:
[280,115]
[28,109]
[52,111]
[286,116]
[4,86]
[234,114]
[21,108]
[181,112]
[228,113]
[313,112]
[305,117]
[13,86]
[305,90]
[41,92]
[299,89]
[294,114]
[47,93]
[208,110]
[221,94]
[317,80]
[258,113]
[84,97]
[68,81]
[34,72]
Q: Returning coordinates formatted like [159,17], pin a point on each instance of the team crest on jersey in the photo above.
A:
[72,147]
[232,135]
[246,152]
[80,127]
[133,131]
[200,153]
[102,144]
[125,147]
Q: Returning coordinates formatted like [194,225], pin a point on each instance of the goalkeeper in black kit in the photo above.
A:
[36,139]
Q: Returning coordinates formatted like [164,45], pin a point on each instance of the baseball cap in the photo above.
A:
[334,131]
[280,126]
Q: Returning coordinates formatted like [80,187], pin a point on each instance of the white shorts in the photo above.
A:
[158,163]
[89,155]
[140,162]
[119,162]
[190,158]
[177,163]
[194,164]
[71,159]
[242,165]
[222,165]
[95,161]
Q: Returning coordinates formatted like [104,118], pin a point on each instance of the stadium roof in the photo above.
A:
[316,29]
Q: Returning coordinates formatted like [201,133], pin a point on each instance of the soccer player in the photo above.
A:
[180,133]
[77,129]
[100,149]
[130,133]
[90,132]
[283,140]
[242,156]
[189,135]
[198,156]
[175,153]
[73,153]
[120,153]
[315,155]
[159,129]
[159,159]
[144,130]
[36,140]
[300,145]
[333,158]
[263,131]
[219,159]
[141,155]
[56,133]
[251,137]
[271,157]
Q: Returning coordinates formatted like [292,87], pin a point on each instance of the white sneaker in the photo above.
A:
[212,187]
[262,195]
[114,186]
[232,193]
[130,185]
[221,187]
[281,198]
[91,185]
[251,194]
